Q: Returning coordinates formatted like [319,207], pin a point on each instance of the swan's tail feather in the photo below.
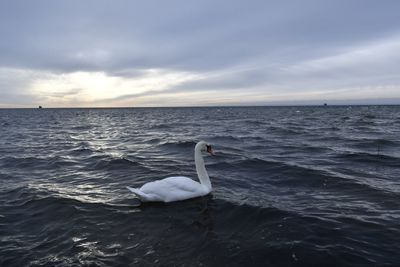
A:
[141,195]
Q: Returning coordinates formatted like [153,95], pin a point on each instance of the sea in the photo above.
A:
[292,186]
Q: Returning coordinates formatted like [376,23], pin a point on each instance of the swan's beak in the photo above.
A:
[210,150]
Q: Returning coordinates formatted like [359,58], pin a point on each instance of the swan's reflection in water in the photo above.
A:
[197,213]
[202,218]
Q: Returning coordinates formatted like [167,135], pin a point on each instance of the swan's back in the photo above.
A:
[173,189]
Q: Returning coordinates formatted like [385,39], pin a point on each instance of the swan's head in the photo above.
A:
[205,147]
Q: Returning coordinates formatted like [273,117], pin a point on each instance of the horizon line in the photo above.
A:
[205,106]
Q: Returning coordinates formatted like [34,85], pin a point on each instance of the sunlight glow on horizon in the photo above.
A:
[100,89]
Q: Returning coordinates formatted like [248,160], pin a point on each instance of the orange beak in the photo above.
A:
[210,150]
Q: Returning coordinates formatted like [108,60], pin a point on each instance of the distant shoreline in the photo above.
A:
[233,106]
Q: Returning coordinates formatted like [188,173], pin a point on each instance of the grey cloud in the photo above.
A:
[181,34]
[235,80]
[17,99]
[71,92]
[125,38]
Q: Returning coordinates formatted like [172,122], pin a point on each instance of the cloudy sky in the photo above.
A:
[76,53]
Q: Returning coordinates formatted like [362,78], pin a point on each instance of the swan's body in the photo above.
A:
[170,189]
[179,187]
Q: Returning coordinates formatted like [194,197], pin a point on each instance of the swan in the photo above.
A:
[179,187]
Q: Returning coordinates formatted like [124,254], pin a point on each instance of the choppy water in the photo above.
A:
[293,186]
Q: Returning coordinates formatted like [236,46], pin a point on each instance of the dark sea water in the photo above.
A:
[293,186]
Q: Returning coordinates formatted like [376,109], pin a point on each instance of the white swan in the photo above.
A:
[179,187]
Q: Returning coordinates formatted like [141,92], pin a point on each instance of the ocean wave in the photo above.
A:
[178,144]
[375,143]
[225,138]
[374,158]
[107,163]
[36,162]
[81,150]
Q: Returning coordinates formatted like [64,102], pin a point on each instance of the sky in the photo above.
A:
[126,53]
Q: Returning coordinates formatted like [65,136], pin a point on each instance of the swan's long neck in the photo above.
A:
[201,169]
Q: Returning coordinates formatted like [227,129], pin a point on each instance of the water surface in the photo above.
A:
[293,186]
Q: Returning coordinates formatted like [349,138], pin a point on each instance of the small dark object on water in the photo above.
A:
[325,104]
[40,106]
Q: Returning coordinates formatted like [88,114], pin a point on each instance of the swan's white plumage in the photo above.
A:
[179,187]
[171,189]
